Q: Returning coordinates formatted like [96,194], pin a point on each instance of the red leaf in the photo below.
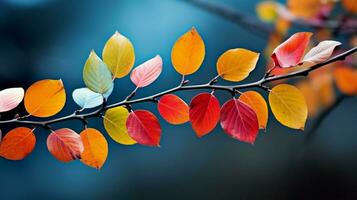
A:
[204,113]
[17,143]
[239,121]
[148,72]
[65,145]
[290,52]
[144,128]
[173,109]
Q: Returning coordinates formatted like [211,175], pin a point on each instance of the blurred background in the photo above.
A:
[51,39]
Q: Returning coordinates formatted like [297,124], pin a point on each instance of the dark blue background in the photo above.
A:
[42,39]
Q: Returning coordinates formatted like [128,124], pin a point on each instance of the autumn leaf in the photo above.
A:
[312,100]
[306,9]
[321,52]
[173,109]
[236,64]
[119,55]
[288,106]
[282,26]
[267,11]
[146,73]
[86,98]
[115,124]
[188,53]
[17,143]
[10,98]
[95,148]
[350,5]
[144,128]
[290,52]
[323,86]
[256,102]
[346,79]
[45,98]
[65,145]
[204,113]
[239,121]
[96,74]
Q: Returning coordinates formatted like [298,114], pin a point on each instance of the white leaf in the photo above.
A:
[321,52]
[86,98]
[10,98]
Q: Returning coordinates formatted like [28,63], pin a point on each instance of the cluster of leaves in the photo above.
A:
[241,118]
[328,19]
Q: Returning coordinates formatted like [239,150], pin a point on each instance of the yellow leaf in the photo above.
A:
[188,53]
[288,106]
[267,11]
[119,55]
[45,98]
[258,104]
[236,64]
[95,148]
[115,125]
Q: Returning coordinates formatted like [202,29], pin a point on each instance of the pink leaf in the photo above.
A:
[239,121]
[65,145]
[146,73]
[321,52]
[10,98]
[144,128]
[204,113]
[290,52]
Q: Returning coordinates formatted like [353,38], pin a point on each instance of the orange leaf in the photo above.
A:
[306,9]
[95,148]
[312,100]
[282,26]
[323,84]
[290,52]
[188,53]
[350,5]
[346,79]
[65,145]
[17,143]
[258,104]
[45,98]
[236,64]
[173,109]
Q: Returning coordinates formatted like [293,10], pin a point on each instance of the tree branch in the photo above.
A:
[182,86]
[252,24]
[262,30]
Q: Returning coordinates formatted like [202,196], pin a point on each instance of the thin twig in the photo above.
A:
[232,89]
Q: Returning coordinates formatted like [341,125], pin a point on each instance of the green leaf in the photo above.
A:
[96,74]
